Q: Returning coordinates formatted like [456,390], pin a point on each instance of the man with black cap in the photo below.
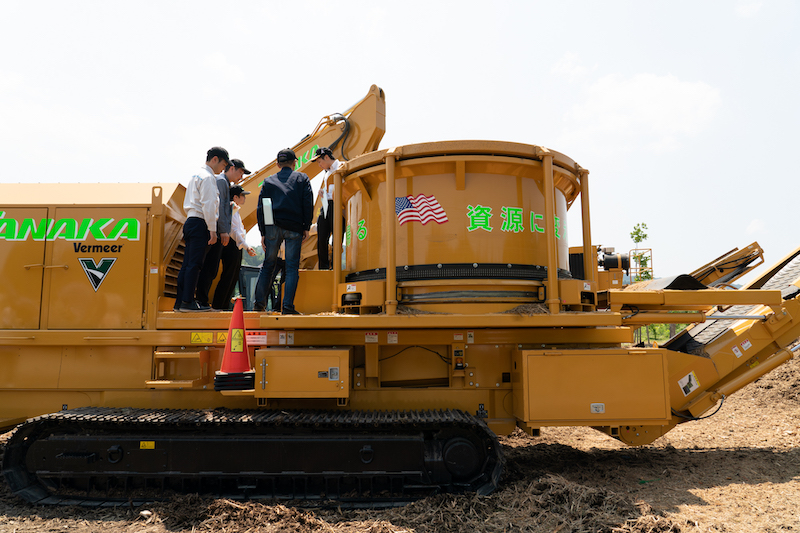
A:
[284,213]
[232,253]
[201,204]
[324,158]
[234,172]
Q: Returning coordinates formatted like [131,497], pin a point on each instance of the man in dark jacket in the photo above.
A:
[285,218]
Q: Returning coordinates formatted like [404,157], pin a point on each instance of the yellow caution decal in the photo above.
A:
[237,340]
[199,337]
[147,445]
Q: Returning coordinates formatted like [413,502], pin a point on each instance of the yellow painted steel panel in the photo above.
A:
[103,284]
[98,194]
[29,367]
[302,373]
[373,293]
[21,265]
[690,299]
[105,367]
[316,292]
[596,386]
[409,365]
[22,404]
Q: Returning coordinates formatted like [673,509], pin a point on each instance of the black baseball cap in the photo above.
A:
[237,190]
[286,155]
[238,164]
[321,152]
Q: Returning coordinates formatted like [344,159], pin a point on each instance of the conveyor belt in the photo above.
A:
[109,456]
[695,339]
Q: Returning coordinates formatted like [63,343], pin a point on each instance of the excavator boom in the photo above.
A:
[356,131]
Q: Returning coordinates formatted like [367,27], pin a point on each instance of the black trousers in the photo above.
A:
[209,271]
[196,235]
[231,264]
[324,231]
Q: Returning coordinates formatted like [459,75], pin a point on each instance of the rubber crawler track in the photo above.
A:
[91,456]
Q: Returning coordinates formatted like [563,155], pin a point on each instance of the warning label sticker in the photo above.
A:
[282,337]
[256,338]
[371,337]
[458,336]
[470,337]
[222,337]
[201,337]
[746,344]
[391,337]
[689,384]
[737,352]
[237,340]
[147,445]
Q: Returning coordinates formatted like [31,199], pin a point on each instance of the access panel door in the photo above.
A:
[22,240]
[102,254]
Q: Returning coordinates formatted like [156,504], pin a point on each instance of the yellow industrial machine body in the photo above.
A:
[492,206]
[458,292]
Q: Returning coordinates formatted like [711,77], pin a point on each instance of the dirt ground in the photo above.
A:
[736,472]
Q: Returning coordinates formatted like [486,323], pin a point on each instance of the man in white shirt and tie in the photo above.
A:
[328,164]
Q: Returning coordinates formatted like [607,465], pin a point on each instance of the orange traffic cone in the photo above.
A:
[235,372]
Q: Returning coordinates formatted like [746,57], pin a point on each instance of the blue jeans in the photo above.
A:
[273,237]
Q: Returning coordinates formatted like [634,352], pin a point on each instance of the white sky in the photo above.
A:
[684,112]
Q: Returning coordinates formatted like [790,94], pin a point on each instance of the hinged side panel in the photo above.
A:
[598,387]
[302,373]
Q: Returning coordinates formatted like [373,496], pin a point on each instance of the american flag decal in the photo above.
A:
[420,208]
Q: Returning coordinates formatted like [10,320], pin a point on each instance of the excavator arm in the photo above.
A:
[356,131]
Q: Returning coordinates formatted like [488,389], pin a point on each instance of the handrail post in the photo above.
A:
[553,301]
[390,305]
[155,237]
[589,254]
[337,236]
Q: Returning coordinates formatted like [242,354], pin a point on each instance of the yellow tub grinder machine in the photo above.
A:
[458,313]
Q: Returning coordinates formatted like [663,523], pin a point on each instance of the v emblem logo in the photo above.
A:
[97,272]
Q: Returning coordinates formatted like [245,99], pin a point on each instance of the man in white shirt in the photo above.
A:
[201,204]
[233,173]
[328,164]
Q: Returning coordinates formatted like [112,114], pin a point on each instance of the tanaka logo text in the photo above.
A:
[69,229]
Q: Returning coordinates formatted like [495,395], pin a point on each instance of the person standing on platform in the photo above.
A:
[200,229]
[328,164]
[285,209]
[232,253]
[233,174]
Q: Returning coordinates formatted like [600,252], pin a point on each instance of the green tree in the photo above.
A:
[638,234]
[641,259]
